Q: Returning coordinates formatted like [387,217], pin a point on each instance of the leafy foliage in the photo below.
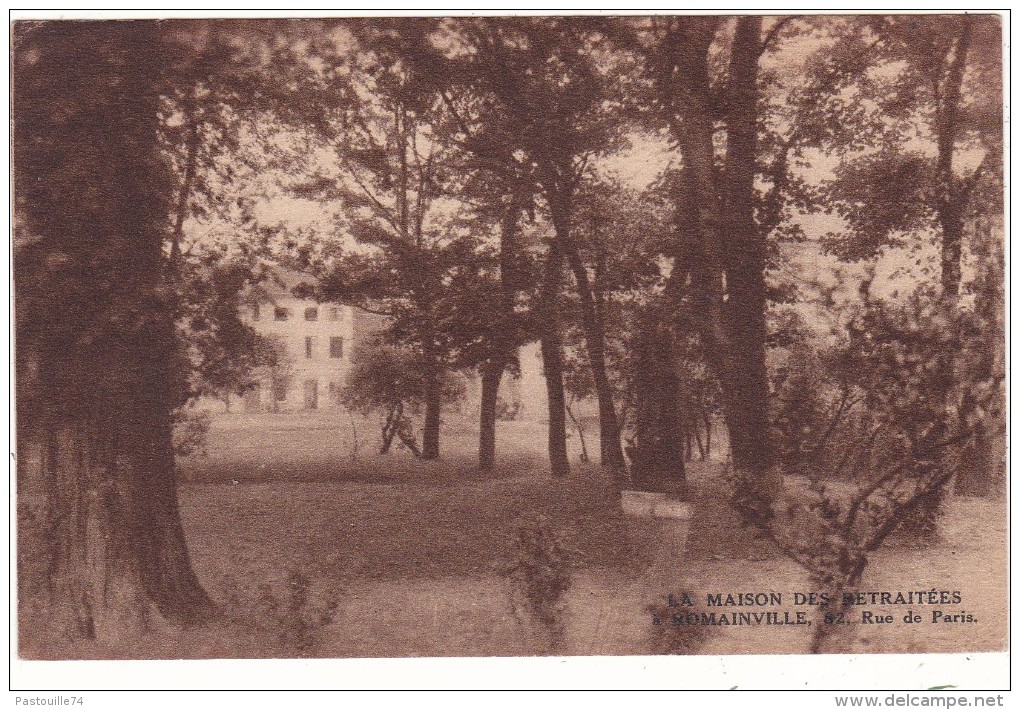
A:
[891,410]
[540,572]
[191,432]
[294,613]
[90,212]
[900,101]
[677,639]
[389,381]
[879,197]
[226,353]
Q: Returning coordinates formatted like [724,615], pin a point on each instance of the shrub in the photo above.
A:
[388,380]
[678,639]
[540,572]
[191,432]
[291,615]
[877,424]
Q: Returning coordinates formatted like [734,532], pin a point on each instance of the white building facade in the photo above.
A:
[317,339]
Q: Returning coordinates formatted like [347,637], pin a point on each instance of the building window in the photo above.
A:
[336,347]
[312,313]
[281,313]
[311,394]
[334,313]
[255,311]
[309,343]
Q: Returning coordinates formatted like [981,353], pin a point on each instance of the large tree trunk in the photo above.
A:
[94,575]
[492,373]
[552,365]
[166,572]
[745,378]
[658,452]
[117,548]
[92,309]
[729,292]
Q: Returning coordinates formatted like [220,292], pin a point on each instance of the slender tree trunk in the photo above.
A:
[430,431]
[433,411]
[610,449]
[579,428]
[952,251]
[552,365]
[697,440]
[492,373]
[504,340]
[390,425]
[923,522]
[950,205]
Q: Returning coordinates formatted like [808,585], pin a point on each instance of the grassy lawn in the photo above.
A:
[310,549]
[292,477]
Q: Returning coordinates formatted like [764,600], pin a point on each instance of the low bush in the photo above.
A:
[540,573]
[191,432]
[671,635]
[291,616]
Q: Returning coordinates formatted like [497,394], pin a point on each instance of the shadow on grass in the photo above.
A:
[395,468]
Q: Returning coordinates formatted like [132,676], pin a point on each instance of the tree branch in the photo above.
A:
[773,33]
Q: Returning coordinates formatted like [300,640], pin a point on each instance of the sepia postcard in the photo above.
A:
[509,336]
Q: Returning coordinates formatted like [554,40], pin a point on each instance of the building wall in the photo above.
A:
[316,371]
[525,393]
[356,326]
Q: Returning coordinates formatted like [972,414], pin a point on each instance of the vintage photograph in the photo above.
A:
[509,336]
